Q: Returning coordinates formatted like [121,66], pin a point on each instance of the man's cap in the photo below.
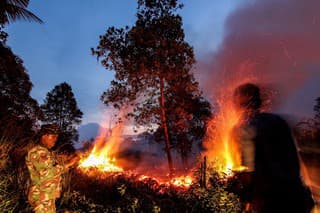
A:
[49,129]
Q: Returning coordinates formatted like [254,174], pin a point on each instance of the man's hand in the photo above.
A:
[72,161]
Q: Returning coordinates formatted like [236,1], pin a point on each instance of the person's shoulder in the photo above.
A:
[38,149]
[270,119]
[269,116]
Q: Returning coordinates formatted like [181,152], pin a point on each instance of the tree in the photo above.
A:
[18,110]
[317,118]
[308,130]
[187,124]
[317,110]
[150,60]
[60,107]
[12,10]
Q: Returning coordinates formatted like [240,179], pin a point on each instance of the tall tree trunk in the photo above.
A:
[165,126]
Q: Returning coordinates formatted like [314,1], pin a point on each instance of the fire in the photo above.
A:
[101,156]
[181,181]
[101,160]
[223,151]
[184,181]
[102,163]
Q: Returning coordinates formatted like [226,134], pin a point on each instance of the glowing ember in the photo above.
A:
[100,156]
[185,181]
[182,181]
[144,177]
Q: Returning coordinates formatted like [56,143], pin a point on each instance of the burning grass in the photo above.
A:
[102,178]
[129,192]
[96,191]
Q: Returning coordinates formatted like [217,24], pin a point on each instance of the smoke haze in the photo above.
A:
[272,43]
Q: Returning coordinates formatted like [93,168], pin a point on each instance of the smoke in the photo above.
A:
[270,42]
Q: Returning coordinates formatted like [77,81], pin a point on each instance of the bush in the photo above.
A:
[12,198]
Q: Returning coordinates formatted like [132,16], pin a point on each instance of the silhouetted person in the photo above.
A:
[273,181]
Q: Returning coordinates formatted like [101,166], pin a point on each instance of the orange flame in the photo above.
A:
[102,160]
[100,156]
[223,151]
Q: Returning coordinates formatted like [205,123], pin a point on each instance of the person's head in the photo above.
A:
[247,97]
[49,134]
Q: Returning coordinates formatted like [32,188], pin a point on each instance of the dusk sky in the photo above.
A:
[59,50]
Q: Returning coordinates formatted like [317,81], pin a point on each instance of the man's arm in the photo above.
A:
[41,165]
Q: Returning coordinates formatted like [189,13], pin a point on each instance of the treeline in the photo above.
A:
[307,131]
[20,114]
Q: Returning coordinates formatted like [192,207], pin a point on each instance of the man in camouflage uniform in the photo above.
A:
[45,173]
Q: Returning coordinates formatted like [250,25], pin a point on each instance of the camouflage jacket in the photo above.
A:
[45,174]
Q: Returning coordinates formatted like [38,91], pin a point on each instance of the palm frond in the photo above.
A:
[20,3]
[14,13]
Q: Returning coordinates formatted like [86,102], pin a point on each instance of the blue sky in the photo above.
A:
[59,49]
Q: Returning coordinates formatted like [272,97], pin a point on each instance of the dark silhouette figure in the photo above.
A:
[272,181]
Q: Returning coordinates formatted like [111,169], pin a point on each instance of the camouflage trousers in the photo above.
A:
[43,206]
[40,204]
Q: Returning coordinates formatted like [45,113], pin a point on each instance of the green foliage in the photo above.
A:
[214,196]
[211,200]
[5,148]
[156,208]
[8,194]
[122,189]
[12,189]
[18,110]
[75,202]
[60,107]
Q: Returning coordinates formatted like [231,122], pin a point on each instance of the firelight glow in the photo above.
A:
[184,181]
[101,159]
[100,156]
[223,151]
